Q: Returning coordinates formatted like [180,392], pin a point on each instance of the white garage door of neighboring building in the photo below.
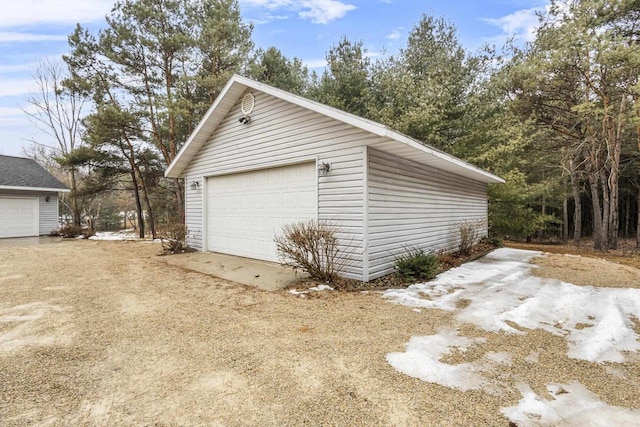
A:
[245,210]
[18,217]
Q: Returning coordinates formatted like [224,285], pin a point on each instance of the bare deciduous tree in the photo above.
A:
[58,113]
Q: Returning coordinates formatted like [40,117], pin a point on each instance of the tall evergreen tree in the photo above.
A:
[165,60]
[346,82]
[272,67]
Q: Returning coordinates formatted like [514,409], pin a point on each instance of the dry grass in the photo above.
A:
[102,333]
[585,266]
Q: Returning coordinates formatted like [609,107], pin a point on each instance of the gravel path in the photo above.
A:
[105,334]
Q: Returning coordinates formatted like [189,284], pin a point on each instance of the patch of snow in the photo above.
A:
[422,360]
[532,357]
[614,372]
[114,235]
[501,292]
[571,405]
[320,288]
[501,357]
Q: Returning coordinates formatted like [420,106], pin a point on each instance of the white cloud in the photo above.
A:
[324,11]
[8,112]
[395,34]
[373,54]
[318,11]
[17,68]
[33,12]
[267,19]
[522,23]
[7,36]
[16,87]
[315,63]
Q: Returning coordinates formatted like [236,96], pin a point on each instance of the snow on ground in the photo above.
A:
[115,235]
[568,404]
[318,288]
[596,322]
[499,293]
[422,360]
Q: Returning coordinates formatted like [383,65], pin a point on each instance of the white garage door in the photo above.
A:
[245,210]
[18,217]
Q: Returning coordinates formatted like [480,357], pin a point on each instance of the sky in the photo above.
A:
[35,30]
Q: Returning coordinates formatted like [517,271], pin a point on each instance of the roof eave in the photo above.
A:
[481,174]
[49,190]
[197,139]
[177,166]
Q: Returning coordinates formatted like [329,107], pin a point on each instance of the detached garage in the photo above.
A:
[28,198]
[262,158]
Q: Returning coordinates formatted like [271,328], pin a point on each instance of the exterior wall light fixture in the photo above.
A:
[324,168]
[195,184]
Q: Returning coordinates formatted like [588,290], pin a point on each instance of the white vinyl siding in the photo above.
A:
[412,205]
[47,211]
[282,133]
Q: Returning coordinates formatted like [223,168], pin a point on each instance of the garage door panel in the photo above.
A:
[18,217]
[246,210]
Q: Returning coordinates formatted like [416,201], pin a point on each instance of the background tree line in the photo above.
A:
[559,118]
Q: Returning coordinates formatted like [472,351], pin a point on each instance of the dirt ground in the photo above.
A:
[106,334]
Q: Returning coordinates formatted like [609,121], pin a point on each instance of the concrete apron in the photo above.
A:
[28,241]
[264,275]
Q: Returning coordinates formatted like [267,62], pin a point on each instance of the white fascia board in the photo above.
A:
[48,190]
[334,113]
[196,139]
[196,136]
[367,125]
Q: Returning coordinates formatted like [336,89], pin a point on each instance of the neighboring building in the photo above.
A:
[262,157]
[28,198]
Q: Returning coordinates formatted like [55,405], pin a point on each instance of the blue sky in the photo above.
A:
[33,30]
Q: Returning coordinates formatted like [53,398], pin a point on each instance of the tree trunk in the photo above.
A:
[598,242]
[577,204]
[606,209]
[627,217]
[145,195]
[136,192]
[565,219]
[75,209]
[136,188]
[179,200]
[638,223]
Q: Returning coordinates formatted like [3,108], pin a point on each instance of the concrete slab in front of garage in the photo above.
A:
[28,241]
[268,276]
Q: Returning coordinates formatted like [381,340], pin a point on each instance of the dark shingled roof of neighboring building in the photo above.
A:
[21,172]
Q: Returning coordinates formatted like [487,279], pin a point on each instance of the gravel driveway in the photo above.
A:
[106,334]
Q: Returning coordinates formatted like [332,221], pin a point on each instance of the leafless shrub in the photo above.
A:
[312,246]
[173,238]
[469,234]
[70,231]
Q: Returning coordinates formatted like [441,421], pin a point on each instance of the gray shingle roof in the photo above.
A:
[21,172]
